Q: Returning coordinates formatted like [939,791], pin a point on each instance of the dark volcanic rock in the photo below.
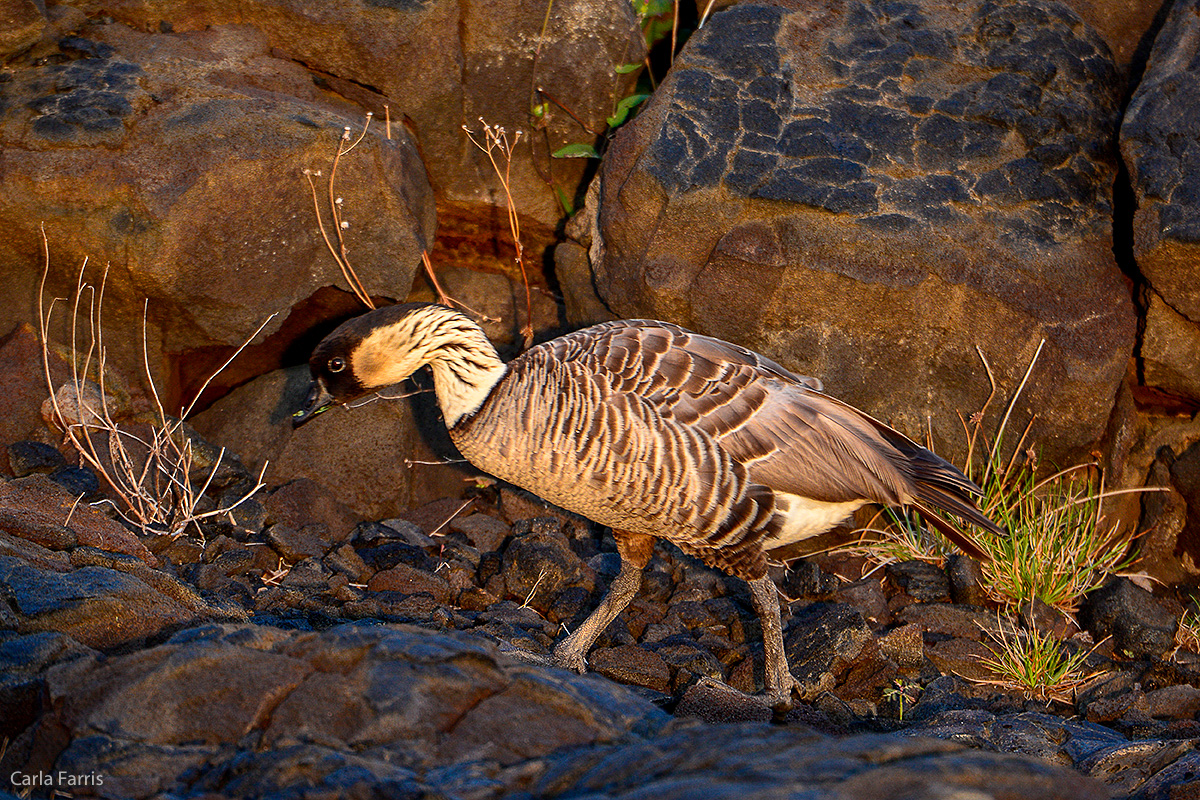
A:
[1047,620]
[1149,768]
[185,152]
[804,579]
[1171,344]
[717,703]
[486,534]
[1139,625]
[957,621]
[874,178]
[688,661]
[446,64]
[1185,478]
[305,504]
[23,23]
[294,545]
[23,384]
[905,646]
[540,563]
[821,642]
[1173,702]
[147,696]
[407,580]
[963,657]
[1160,139]
[99,606]
[1164,515]
[944,694]
[390,553]
[921,581]
[867,596]
[370,699]
[22,659]
[966,581]
[352,459]
[27,457]
[368,710]
[750,760]
[1054,739]
[40,510]
[80,482]
[631,665]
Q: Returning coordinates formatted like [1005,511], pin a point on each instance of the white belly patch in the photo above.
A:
[804,518]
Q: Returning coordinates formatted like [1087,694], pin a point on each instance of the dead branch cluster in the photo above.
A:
[154,472]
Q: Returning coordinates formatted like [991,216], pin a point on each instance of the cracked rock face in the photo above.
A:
[370,710]
[1160,140]
[178,160]
[401,699]
[867,192]
[441,64]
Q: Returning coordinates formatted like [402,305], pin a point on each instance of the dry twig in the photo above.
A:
[444,298]
[151,474]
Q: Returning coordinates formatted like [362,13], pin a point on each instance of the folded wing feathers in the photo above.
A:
[787,434]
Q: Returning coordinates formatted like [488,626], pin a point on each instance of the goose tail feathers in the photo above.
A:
[932,498]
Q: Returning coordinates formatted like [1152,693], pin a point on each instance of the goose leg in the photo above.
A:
[777,678]
[635,550]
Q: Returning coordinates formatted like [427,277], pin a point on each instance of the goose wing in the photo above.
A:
[808,443]
[787,434]
[560,429]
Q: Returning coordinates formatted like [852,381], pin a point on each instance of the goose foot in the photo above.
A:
[568,657]
[781,699]
[635,550]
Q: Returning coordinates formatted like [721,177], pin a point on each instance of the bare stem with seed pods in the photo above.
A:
[340,253]
[495,141]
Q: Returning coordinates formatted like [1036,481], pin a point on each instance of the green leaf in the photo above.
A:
[625,69]
[656,31]
[576,151]
[624,108]
[564,201]
[652,8]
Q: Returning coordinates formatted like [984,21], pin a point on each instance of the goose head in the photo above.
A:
[385,346]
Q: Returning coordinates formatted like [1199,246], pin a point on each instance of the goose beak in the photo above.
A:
[318,400]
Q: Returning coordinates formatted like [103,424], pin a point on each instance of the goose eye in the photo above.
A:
[337,364]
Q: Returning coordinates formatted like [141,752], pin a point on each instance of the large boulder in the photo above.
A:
[394,710]
[23,386]
[176,161]
[21,25]
[379,457]
[869,192]
[99,606]
[1125,25]
[443,64]
[1160,140]
[397,699]
[37,509]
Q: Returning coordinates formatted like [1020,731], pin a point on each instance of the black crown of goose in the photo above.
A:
[656,432]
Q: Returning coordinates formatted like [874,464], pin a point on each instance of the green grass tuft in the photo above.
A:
[1059,546]
[1035,665]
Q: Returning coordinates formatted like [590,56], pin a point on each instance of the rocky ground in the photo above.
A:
[906,199]
[292,649]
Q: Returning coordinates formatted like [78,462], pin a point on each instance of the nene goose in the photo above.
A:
[655,432]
